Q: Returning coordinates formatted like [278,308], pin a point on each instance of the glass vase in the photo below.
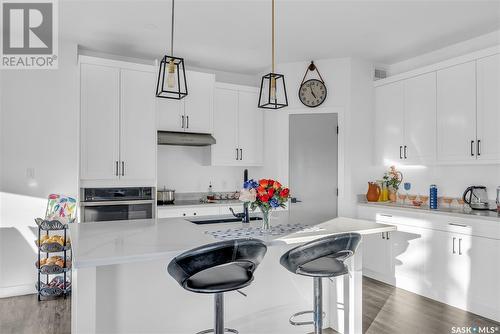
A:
[266,213]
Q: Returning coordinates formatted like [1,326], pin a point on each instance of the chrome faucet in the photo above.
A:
[245,217]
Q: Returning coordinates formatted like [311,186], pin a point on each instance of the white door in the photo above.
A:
[488,108]
[100,122]
[456,113]
[138,133]
[377,262]
[389,122]
[224,152]
[250,128]
[199,102]
[420,119]
[170,114]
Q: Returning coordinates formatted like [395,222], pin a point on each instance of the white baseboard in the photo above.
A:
[18,290]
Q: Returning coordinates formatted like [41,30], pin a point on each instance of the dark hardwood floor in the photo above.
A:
[386,310]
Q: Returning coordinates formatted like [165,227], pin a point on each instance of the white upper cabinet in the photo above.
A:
[194,113]
[389,122]
[225,151]
[456,113]
[420,119]
[117,128]
[250,128]
[488,108]
[99,122]
[137,125]
[238,126]
[198,104]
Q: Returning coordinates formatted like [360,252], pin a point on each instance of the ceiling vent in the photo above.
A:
[380,74]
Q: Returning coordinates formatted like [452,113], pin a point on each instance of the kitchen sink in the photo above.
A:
[219,220]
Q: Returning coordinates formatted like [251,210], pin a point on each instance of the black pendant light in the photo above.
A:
[172,74]
[272,87]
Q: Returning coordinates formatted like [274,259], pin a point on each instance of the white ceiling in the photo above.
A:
[234,35]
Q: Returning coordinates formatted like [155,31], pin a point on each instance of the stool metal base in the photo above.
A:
[219,317]
[302,323]
[226,330]
[318,313]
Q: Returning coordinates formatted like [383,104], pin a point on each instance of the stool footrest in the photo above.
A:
[226,330]
[302,323]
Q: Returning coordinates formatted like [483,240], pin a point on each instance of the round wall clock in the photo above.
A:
[312,92]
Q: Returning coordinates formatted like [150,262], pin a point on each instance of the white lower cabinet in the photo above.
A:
[172,212]
[428,257]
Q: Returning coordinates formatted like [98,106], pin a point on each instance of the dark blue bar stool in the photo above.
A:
[217,268]
[320,258]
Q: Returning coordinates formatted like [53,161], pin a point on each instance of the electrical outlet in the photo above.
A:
[30,173]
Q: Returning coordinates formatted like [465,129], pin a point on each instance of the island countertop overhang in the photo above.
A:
[121,242]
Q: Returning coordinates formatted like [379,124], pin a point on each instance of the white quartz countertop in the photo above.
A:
[119,242]
[472,214]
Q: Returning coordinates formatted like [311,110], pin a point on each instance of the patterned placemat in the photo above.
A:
[255,232]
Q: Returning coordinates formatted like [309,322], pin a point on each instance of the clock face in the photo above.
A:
[312,93]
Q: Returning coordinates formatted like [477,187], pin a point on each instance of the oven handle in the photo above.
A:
[105,203]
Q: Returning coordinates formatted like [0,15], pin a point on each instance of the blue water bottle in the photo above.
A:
[433,197]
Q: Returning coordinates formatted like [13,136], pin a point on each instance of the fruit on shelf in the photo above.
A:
[45,239]
[55,260]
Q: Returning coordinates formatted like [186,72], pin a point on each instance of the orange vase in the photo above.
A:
[373,193]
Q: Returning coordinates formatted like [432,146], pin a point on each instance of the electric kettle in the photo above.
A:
[476,197]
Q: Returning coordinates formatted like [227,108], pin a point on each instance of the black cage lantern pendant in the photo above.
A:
[272,86]
[172,73]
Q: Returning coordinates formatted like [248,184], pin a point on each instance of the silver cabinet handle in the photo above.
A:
[187,122]
[241,154]
[471,148]
[237,155]
[383,235]
[460,246]
[406,152]
[116,168]
[386,215]
[182,125]
[387,235]
[456,224]
[478,147]
[454,245]
[400,152]
[123,168]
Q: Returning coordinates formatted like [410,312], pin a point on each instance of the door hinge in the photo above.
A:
[337,129]
[337,192]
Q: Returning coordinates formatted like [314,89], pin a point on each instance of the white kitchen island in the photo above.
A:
[120,282]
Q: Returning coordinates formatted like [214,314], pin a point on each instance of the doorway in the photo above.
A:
[313,166]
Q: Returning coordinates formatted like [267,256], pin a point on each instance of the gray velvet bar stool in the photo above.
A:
[217,268]
[320,258]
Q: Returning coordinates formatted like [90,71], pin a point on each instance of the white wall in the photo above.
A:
[38,131]
[186,169]
[451,180]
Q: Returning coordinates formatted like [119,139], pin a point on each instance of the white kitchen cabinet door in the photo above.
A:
[389,123]
[483,293]
[250,128]
[456,113]
[198,104]
[488,108]
[170,114]
[409,256]
[100,122]
[138,133]
[377,262]
[224,152]
[420,119]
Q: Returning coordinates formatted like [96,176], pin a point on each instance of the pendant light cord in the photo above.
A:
[172,30]
[272,39]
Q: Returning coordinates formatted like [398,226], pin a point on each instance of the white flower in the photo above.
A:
[248,195]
